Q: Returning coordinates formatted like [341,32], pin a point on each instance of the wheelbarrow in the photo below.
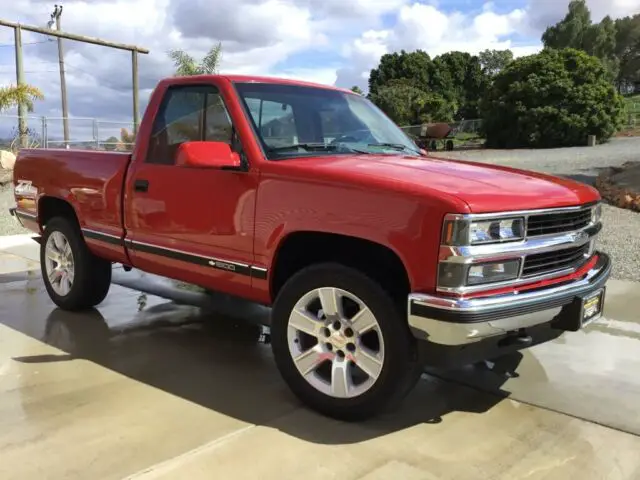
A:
[434,133]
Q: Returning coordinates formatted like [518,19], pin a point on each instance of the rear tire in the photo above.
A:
[75,278]
[351,363]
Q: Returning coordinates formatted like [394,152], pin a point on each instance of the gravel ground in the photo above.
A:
[8,224]
[620,236]
[580,163]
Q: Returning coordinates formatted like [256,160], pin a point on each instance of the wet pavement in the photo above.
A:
[175,384]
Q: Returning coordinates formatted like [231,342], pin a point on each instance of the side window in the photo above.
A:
[217,122]
[190,113]
[275,121]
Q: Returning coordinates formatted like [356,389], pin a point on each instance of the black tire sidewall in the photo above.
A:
[398,374]
[90,274]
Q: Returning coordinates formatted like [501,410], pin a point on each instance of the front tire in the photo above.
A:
[75,279]
[342,344]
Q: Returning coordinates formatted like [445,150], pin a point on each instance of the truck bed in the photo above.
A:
[91,181]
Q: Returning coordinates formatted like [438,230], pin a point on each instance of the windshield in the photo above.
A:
[294,120]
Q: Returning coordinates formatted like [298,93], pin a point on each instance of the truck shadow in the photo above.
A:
[219,362]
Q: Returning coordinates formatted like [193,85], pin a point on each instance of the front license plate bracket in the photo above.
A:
[591,307]
[581,312]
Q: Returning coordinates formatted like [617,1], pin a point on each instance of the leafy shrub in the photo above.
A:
[555,98]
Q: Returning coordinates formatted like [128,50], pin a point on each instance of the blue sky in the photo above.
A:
[328,41]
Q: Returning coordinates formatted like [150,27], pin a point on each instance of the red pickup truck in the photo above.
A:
[307,198]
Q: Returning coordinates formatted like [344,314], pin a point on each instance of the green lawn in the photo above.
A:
[632,103]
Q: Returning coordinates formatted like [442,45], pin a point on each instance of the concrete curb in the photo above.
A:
[8,241]
[21,245]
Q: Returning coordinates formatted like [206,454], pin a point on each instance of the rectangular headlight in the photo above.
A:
[456,275]
[493,272]
[596,214]
[459,232]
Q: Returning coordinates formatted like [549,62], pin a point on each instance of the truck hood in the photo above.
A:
[485,188]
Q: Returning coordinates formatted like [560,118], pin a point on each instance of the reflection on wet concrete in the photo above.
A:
[591,374]
[148,387]
[598,365]
[212,301]
[186,350]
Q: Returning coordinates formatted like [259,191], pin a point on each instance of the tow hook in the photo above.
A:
[519,338]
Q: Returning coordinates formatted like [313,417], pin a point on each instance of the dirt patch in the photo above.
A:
[632,132]
[621,185]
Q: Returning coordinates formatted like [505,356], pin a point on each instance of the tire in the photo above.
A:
[387,350]
[87,278]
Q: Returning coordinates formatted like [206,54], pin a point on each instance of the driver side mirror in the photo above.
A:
[208,155]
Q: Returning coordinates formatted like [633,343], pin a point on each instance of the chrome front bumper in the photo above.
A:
[450,321]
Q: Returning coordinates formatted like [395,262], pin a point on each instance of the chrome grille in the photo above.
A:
[550,223]
[549,262]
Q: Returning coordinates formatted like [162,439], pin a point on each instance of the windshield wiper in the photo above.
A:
[364,152]
[395,146]
[306,146]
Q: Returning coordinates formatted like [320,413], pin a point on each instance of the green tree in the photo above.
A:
[15,95]
[458,78]
[570,31]
[553,99]
[186,65]
[415,68]
[402,86]
[407,104]
[454,84]
[627,51]
[494,61]
[357,89]
[577,31]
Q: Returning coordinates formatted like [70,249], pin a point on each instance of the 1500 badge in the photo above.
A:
[222,265]
[25,188]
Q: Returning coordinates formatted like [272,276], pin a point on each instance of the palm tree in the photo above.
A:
[127,139]
[186,65]
[15,95]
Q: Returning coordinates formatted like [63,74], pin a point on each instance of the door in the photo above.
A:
[194,224]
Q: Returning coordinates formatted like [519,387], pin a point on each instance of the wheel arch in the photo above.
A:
[50,206]
[300,249]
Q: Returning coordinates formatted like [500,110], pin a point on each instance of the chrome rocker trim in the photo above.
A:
[460,321]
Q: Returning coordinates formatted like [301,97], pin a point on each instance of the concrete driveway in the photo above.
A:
[171,384]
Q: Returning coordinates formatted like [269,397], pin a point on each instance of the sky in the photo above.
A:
[325,41]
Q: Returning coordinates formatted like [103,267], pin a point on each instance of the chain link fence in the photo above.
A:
[632,116]
[48,132]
